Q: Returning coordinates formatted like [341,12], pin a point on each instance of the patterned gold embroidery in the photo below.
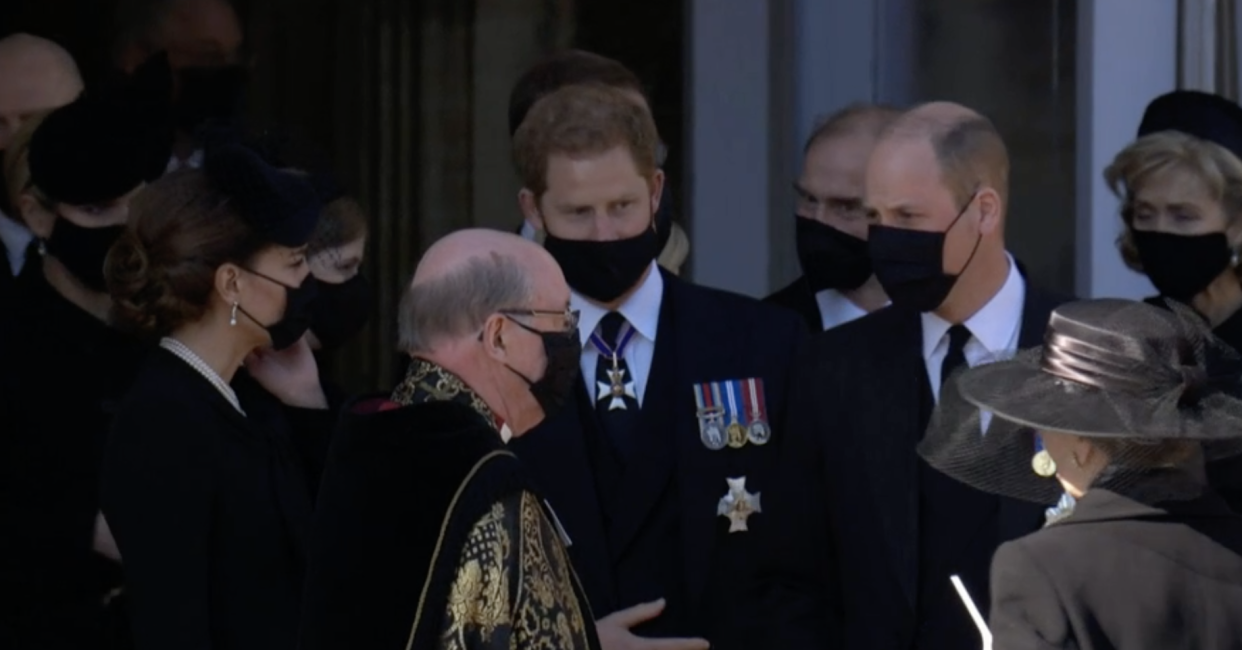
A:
[515,541]
[428,382]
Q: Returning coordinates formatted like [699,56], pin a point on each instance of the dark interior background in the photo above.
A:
[408,100]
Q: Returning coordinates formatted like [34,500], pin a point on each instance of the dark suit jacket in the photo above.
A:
[63,373]
[842,560]
[210,510]
[797,295]
[1122,574]
[704,335]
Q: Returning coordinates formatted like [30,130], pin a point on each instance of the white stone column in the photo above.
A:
[1127,55]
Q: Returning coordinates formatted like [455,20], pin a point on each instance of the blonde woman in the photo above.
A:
[1180,184]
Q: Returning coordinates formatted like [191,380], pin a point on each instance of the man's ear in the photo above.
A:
[131,56]
[38,218]
[657,189]
[493,338]
[990,209]
[529,204]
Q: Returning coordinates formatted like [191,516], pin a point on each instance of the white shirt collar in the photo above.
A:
[16,239]
[528,231]
[835,309]
[641,309]
[995,326]
[193,162]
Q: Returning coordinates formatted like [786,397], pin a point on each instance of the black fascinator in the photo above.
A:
[282,205]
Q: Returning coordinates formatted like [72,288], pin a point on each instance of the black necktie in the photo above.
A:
[616,401]
[956,357]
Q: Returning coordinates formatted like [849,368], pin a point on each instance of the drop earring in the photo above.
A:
[233,316]
[1042,463]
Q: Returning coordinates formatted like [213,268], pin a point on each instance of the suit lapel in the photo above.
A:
[892,467]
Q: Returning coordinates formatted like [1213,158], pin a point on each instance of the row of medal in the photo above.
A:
[732,414]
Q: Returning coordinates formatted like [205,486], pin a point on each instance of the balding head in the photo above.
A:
[469,276]
[481,304]
[195,33]
[834,165]
[36,75]
[941,168]
[968,149]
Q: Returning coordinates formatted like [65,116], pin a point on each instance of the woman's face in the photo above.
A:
[1176,201]
[339,264]
[262,292]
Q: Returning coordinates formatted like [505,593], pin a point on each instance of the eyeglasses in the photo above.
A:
[570,316]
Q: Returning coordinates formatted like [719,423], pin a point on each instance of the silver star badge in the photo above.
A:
[737,504]
[617,390]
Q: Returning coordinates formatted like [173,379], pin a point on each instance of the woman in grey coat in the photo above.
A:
[1113,418]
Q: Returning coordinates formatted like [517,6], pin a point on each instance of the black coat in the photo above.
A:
[211,509]
[843,557]
[62,374]
[1119,574]
[799,297]
[1225,475]
[662,537]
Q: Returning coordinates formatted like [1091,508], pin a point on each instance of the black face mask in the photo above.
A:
[830,258]
[340,311]
[210,95]
[296,319]
[910,264]
[604,270]
[563,351]
[1182,266]
[83,250]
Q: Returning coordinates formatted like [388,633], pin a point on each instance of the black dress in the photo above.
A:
[1122,574]
[210,509]
[62,374]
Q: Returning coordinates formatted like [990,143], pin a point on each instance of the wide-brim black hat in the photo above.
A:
[107,142]
[1202,115]
[281,205]
[1109,369]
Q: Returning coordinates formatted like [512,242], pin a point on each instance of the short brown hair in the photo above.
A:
[340,222]
[1154,154]
[583,121]
[162,271]
[868,118]
[971,151]
[568,68]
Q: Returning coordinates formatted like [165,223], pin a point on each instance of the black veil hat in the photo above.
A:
[1129,373]
[108,141]
[1202,115]
[281,205]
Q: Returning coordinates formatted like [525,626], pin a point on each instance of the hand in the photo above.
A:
[290,374]
[104,544]
[614,631]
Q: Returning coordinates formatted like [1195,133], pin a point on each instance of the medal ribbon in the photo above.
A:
[703,397]
[755,393]
[716,394]
[733,411]
[604,350]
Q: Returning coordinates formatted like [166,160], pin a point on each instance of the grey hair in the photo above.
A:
[459,303]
